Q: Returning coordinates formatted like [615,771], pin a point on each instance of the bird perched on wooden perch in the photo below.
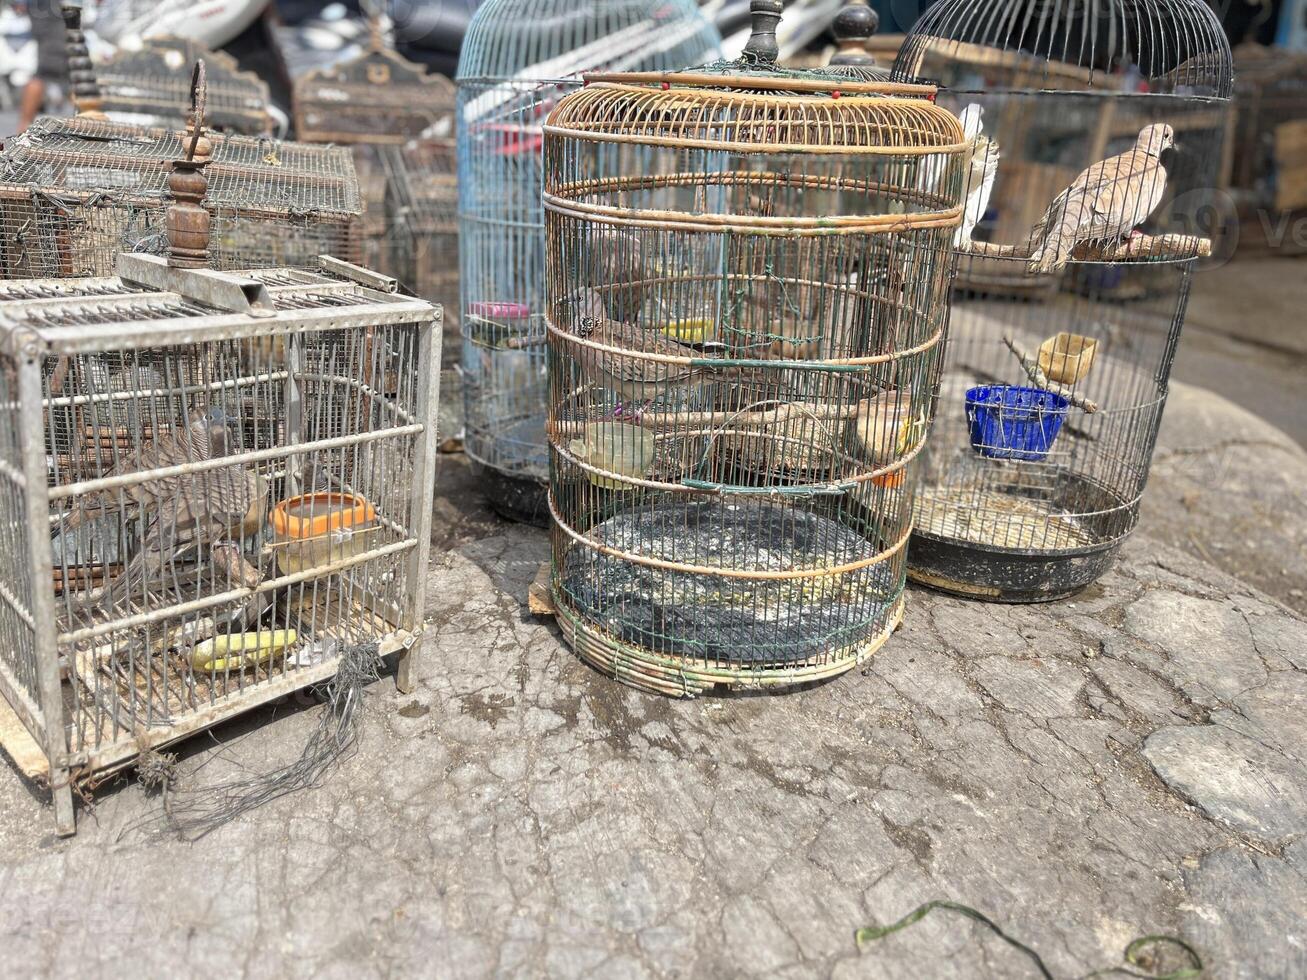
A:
[885,425]
[183,510]
[1108,201]
[982,171]
[635,378]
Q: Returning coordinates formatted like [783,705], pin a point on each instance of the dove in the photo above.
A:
[634,378]
[982,170]
[182,510]
[1108,201]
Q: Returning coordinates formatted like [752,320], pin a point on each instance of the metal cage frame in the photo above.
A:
[1065,326]
[519,58]
[97,670]
[148,87]
[748,279]
[76,192]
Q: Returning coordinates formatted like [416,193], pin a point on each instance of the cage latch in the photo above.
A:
[221,290]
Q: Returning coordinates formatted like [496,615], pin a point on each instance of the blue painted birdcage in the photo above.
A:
[519,58]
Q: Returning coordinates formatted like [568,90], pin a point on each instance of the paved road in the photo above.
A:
[1246,338]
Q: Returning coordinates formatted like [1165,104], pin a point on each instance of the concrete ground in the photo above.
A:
[1125,763]
[1245,337]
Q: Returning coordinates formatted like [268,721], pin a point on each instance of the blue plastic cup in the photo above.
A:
[1008,422]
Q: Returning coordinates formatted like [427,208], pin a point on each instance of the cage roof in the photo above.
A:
[87,157]
[538,41]
[378,96]
[1174,47]
[150,86]
[758,111]
[128,311]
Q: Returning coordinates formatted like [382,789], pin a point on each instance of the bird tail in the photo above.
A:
[1056,238]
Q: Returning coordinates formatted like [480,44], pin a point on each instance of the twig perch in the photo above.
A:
[1040,380]
[1178,247]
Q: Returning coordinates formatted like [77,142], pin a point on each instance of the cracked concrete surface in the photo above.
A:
[1131,761]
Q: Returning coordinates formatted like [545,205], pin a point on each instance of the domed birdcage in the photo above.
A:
[519,58]
[747,291]
[1096,136]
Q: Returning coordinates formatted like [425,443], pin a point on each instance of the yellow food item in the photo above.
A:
[690,330]
[236,651]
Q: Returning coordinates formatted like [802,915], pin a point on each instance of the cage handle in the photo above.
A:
[762,49]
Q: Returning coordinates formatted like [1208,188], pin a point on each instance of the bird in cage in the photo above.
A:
[635,379]
[886,426]
[181,512]
[982,171]
[1108,201]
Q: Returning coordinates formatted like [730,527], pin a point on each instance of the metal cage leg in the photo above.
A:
[404,668]
[61,795]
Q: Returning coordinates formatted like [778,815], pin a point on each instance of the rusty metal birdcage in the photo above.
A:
[147,86]
[518,58]
[76,192]
[748,271]
[216,489]
[399,121]
[1087,125]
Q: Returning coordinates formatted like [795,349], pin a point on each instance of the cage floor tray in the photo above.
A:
[147,693]
[750,621]
[998,519]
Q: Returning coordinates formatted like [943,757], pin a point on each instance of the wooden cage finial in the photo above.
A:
[854,27]
[188,219]
[84,89]
[762,48]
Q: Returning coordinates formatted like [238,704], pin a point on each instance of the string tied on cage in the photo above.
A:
[193,814]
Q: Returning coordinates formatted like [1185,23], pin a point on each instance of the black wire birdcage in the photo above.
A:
[518,58]
[748,272]
[1096,132]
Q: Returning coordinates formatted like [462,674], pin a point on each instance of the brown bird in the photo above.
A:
[634,378]
[181,511]
[1108,201]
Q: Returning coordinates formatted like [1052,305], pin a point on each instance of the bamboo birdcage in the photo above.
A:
[518,58]
[748,272]
[215,489]
[147,86]
[76,192]
[1056,378]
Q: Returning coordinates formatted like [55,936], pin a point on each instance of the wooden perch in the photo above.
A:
[1140,247]
[750,419]
[1037,377]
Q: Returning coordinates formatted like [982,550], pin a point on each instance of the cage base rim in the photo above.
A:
[684,677]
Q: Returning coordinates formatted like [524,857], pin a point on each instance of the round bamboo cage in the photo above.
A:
[518,59]
[748,271]
[1096,137]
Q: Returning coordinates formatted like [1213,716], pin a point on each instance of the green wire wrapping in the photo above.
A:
[1132,955]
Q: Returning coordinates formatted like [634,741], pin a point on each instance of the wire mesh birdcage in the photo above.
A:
[1066,316]
[76,192]
[216,489]
[399,121]
[147,86]
[518,58]
[748,274]
[139,606]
